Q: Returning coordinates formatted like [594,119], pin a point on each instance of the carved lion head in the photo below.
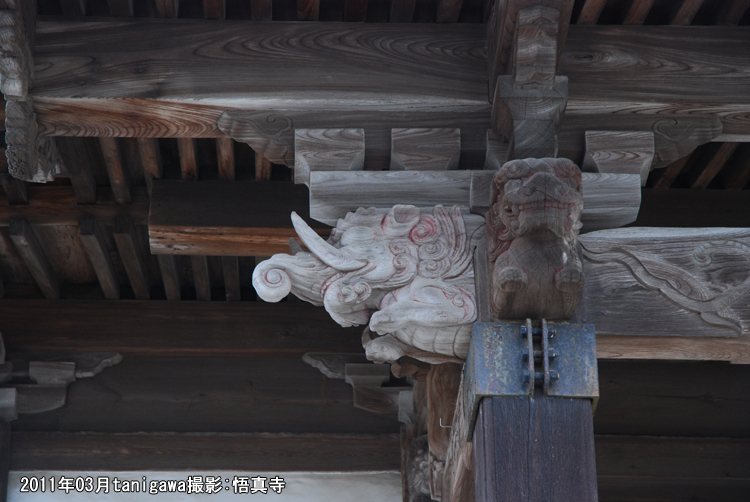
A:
[534,194]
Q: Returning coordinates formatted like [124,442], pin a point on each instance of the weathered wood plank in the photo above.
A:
[425,149]
[228,451]
[95,244]
[695,282]
[80,157]
[169,276]
[119,177]
[677,348]
[515,449]
[150,158]
[132,257]
[188,161]
[598,59]
[58,205]
[167,8]
[619,152]
[204,217]
[201,278]
[261,10]
[147,328]
[32,253]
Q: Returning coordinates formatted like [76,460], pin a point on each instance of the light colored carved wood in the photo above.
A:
[422,285]
[695,282]
[333,365]
[94,241]
[502,29]
[425,149]
[17,20]
[31,157]
[535,47]
[269,134]
[119,177]
[532,227]
[28,247]
[132,257]
[327,150]
[620,152]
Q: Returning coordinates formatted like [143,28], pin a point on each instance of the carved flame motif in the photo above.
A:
[407,274]
[533,223]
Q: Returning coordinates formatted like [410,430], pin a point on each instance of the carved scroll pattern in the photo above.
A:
[710,300]
[408,275]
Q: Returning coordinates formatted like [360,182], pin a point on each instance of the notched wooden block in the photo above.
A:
[428,149]
[327,150]
[620,152]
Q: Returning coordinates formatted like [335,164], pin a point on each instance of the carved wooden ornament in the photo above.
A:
[532,225]
[408,274]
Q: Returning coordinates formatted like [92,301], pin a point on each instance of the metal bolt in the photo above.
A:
[554,375]
[525,353]
[552,353]
[523,330]
[526,376]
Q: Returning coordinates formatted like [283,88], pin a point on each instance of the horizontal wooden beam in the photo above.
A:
[173,328]
[58,205]
[674,348]
[244,452]
[225,218]
[439,71]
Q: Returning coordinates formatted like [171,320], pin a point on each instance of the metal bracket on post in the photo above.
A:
[512,358]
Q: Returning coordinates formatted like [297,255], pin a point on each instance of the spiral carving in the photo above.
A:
[425,232]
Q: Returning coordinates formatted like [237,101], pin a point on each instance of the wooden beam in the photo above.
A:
[203,218]
[16,191]
[188,162]
[262,168]
[327,150]
[671,172]
[308,10]
[225,157]
[214,9]
[95,244]
[734,12]
[33,255]
[230,265]
[619,152]
[201,278]
[80,158]
[355,11]
[425,149]
[591,11]
[638,11]
[687,11]
[261,10]
[218,451]
[448,11]
[121,8]
[169,275]
[167,8]
[150,158]
[58,205]
[674,348]
[132,257]
[715,164]
[134,328]
[119,177]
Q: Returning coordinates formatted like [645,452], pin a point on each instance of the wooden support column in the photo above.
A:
[95,244]
[33,255]
[169,276]
[79,159]
[132,257]
[201,277]
[119,177]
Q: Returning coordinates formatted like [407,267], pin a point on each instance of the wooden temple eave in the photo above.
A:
[179,141]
